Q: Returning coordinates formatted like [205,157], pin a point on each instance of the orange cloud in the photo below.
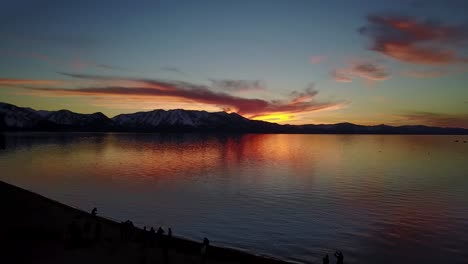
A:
[184,91]
[418,55]
[413,41]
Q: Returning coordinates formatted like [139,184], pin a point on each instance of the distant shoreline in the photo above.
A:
[35,228]
[169,132]
[14,118]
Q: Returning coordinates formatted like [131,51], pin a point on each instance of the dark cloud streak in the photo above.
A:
[301,101]
[238,85]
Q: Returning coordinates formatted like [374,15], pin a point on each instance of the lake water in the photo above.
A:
[378,198]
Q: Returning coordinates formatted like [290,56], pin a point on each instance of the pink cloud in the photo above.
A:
[363,70]
[420,42]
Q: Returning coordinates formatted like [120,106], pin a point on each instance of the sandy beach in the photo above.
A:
[35,229]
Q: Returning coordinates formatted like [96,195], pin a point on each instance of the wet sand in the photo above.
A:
[35,229]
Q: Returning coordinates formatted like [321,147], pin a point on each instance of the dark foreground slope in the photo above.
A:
[14,118]
[35,229]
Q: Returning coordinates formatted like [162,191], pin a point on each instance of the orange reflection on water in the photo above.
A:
[379,197]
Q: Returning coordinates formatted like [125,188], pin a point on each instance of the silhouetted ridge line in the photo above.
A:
[14,118]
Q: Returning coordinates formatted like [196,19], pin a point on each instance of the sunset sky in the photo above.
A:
[366,62]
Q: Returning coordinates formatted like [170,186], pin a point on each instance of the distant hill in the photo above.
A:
[14,118]
[26,119]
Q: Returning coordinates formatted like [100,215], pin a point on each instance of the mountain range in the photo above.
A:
[14,118]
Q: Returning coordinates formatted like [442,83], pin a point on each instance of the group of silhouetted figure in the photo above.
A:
[339,258]
[159,239]
[80,235]
[83,232]
[151,238]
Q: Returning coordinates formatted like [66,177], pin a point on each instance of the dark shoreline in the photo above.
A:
[32,223]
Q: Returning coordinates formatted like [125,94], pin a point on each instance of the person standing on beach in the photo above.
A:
[204,250]
[160,231]
[159,237]
[97,231]
[326,260]
[339,257]
[169,237]
[152,237]
[165,246]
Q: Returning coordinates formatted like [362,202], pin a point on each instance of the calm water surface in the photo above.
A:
[378,198]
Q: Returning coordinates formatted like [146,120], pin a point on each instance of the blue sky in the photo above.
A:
[370,62]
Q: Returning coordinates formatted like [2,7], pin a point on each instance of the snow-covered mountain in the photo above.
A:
[21,118]
[182,119]
[13,118]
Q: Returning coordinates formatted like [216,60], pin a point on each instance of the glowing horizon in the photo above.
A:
[312,64]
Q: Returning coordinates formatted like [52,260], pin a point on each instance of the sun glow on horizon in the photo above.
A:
[275,117]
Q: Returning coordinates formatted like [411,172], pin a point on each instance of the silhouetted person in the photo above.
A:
[169,237]
[160,231]
[126,230]
[159,237]
[97,232]
[131,230]
[339,257]
[122,230]
[165,246]
[145,237]
[94,211]
[204,249]
[152,237]
[326,260]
